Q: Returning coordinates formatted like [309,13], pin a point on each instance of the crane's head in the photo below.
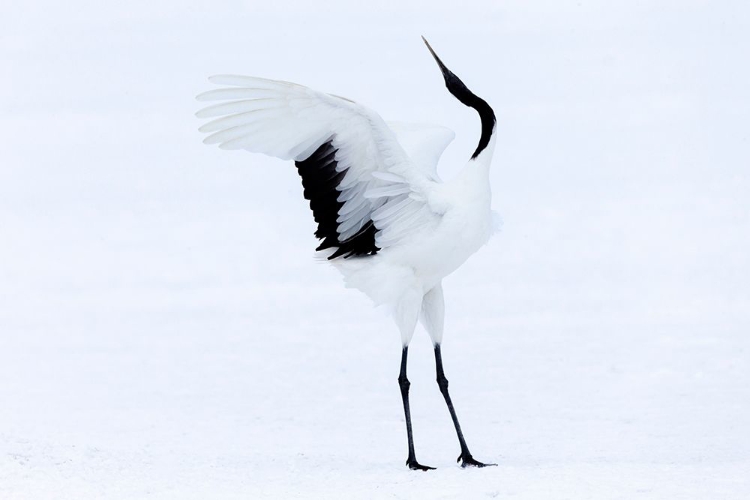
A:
[459,90]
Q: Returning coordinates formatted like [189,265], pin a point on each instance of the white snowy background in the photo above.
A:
[165,332]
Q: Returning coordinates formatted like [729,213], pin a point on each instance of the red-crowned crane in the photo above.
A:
[385,219]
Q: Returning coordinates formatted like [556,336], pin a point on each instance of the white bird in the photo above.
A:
[386,220]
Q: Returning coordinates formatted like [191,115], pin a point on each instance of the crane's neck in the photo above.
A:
[483,156]
[459,90]
[489,126]
[476,174]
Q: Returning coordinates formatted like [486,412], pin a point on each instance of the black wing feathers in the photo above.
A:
[320,180]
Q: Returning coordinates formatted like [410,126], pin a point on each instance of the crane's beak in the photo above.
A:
[453,83]
[443,68]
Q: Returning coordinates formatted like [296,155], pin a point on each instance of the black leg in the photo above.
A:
[465,456]
[404,383]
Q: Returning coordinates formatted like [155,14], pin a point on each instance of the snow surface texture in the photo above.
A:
[163,336]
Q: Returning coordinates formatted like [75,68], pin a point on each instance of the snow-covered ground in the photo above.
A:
[165,332]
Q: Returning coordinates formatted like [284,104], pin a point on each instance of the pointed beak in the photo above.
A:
[443,68]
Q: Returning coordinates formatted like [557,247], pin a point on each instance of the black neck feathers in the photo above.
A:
[456,87]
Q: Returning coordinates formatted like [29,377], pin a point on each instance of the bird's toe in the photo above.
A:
[468,461]
[414,465]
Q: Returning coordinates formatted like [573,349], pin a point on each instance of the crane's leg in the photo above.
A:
[406,312]
[465,456]
[433,314]
[404,383]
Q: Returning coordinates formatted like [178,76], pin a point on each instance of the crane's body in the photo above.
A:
[385,219]
[408,271]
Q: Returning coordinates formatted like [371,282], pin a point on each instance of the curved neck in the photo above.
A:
[484,156]
[476,174]
[488,126]
[477,170]
[459,90]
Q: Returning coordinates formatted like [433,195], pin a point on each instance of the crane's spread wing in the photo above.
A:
[364,190]
[424,143]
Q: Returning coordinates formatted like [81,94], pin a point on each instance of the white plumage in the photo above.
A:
[427,228]
[398,229]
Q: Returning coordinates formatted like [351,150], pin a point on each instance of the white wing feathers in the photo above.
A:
[424,144]
[289,121]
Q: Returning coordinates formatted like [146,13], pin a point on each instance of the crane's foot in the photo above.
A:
[468,461]
[414,465]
